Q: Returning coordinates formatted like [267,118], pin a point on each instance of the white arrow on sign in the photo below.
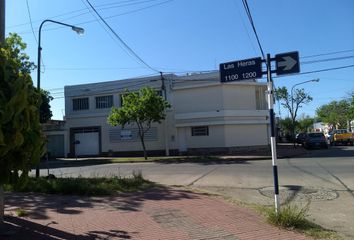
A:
[288,64]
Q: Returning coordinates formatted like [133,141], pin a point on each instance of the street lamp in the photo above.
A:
[76,29]
[292,104]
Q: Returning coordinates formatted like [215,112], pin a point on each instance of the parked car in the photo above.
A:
[315,140]
[300,137]
[342,136]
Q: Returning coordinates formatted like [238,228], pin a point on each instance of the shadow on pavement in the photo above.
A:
[134,201]
[20,228]
[48,207]
[37,205]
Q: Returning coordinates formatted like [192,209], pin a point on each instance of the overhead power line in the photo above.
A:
[110,35]
[84,11]
[32,29]
[121,40]
[321,70]
[30,18]
[143,82]
[329,53]
[327,60]
[327,69]
[96,20]
[121,5]
[248,12]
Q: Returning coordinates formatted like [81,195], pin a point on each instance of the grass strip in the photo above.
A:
[294,217]
[82,186]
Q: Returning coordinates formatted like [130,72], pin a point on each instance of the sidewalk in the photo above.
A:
[284,150]
[157,213]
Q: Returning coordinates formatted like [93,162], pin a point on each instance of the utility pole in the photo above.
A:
[163,89]
[2,40]
[2,21]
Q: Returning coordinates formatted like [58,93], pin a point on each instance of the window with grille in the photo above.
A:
[80,104]
[200,131]
[104,101]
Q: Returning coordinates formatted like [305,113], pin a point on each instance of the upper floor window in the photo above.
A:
[200,131]
[104,101]
[80,104]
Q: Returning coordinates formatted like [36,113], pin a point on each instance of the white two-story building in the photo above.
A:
[206,116]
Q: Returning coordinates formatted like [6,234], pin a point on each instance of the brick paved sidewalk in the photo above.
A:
[158,213]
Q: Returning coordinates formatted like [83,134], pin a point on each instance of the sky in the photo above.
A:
[181,36]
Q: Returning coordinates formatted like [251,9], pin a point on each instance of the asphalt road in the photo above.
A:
[322,178]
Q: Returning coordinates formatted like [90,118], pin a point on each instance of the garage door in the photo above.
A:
[55,145]
[88,143]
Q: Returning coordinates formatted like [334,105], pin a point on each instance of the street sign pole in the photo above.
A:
[272,134]
[286,63]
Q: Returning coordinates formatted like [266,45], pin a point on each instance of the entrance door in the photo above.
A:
[87,143]
[182,141]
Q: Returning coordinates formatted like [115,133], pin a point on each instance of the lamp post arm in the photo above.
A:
[75,28]
[60,23]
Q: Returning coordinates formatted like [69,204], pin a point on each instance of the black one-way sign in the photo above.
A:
[287,63]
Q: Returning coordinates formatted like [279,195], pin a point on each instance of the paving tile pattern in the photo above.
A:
[159,213]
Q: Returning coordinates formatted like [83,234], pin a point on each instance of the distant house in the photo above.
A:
[322,127]
[56,134]
[207,116]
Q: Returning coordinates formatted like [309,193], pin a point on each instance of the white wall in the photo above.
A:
[228,109]
[214,140]
[246,135]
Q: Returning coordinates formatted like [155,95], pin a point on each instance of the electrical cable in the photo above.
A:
[121,40]
[329,53]
[112,7]
[248,12]
[34,35]
[91,68]
[244,27]
[327,69]
[111,91]
[109,17]
[30,18]
[114,39]
[327,60]
[320,70]
[120,4]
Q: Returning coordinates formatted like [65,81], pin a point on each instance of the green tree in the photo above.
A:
[21,140]
[292,102]
[335,113]
[142,108]
[304,124]
[285,127]
[45,111]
